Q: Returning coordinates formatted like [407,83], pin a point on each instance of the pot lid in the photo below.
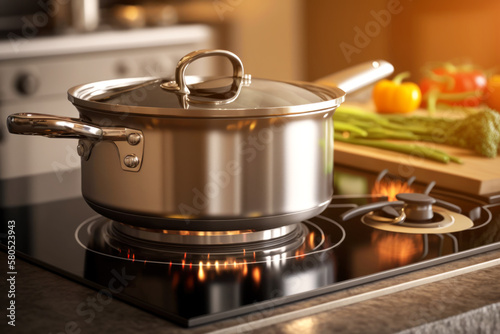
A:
[189,96]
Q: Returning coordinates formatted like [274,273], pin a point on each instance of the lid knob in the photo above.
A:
[179,86]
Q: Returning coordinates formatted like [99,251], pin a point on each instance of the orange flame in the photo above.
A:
[311,240]
[391,189]
[397,248]
[256,275]
[201,272]
[175,280]
[245,268]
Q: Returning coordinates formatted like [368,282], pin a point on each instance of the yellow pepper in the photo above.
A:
[395,96]
[492,94]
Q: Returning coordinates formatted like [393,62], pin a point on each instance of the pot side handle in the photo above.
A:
[129,142]
[358,76]
[51,126]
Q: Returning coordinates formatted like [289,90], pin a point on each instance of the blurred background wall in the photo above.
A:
[414,33]
[304,40]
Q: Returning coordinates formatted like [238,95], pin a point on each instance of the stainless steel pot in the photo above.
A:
[231,153]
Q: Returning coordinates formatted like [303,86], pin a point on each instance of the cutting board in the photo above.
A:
[477,175]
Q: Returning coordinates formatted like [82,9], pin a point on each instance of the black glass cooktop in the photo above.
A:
[196,284]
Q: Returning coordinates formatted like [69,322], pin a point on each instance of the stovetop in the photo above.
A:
[197,284]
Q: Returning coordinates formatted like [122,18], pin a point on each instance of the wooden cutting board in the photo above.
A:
[477,175]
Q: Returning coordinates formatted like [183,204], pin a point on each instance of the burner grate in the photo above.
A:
[182,237]
[100,235]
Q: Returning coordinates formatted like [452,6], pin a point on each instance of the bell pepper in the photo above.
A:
[452,85]
[492,94]
[395,96]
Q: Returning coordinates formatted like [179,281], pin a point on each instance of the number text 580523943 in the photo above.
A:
[11,272]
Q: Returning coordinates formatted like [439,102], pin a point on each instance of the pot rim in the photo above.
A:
[81,95]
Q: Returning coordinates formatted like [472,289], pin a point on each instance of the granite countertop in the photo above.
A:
[48,303]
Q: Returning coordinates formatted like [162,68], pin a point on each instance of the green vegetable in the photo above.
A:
[478,131]
[343,126]
[413,149]
[379,133]
[364,119]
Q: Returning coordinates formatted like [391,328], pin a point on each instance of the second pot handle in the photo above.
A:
[129,142]
[358,76]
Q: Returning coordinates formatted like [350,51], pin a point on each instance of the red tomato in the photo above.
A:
[452,85]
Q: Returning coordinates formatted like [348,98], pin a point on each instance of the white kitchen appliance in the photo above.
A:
[34,76]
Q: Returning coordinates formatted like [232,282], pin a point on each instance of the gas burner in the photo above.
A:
[204,237]
[417,211]
[412,213]
[112,239]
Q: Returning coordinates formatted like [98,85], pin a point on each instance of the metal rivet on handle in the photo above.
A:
[246,80]
[131,161]
[80,149]
[170,85]
[84,148]
[134,138]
